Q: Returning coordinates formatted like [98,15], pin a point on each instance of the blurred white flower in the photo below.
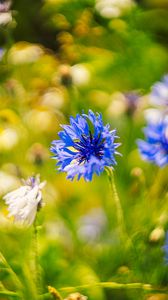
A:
[24,202]
[80,75]
[113,8]
[5,18]
[8,139]
[53,98]
[23,52]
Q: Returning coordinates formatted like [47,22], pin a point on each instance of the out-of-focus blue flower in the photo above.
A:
[92,225]
[155,148]
[85,147]
[159,93]
[2,51]
[165,248]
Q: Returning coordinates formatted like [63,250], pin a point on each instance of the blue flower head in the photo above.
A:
[159,93]
[165,248]
[155,148]
[85,147]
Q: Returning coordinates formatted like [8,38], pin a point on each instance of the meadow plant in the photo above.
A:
[87,146]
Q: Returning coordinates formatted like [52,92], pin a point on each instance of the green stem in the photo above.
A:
[147,288]
[119,211]
[120,216]
[9,294]
[110,285]
[36,254]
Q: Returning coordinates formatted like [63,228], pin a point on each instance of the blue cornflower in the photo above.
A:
[85,147]
[155,148]
[165,248]
[159,93]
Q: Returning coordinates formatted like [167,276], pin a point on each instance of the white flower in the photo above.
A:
[5,18]
[24,202]
[113,8]
[23,53]
[8,138]
[80,75]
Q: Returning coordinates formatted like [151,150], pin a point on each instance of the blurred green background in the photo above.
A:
[57,58]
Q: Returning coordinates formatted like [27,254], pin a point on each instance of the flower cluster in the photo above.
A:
[24,202]
[155,148]
[85,147]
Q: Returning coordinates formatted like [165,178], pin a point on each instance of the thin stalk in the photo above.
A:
[120,216]
[119,211]
[36,257]
[146,288]
[9,294]
[113,285]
